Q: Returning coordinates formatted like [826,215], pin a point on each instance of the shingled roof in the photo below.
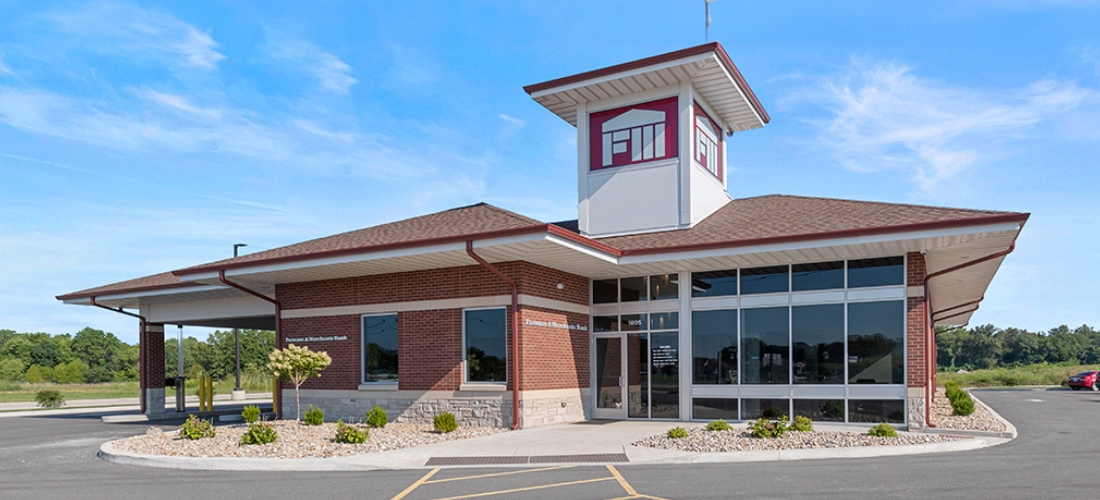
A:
[764,219]
[776,218]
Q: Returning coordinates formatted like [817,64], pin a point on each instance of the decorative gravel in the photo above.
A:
[700,440]
[981,420]
[295,441]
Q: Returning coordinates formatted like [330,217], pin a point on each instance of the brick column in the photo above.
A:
[916,345]
[151,368]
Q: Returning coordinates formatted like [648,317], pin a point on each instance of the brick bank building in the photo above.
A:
[664,299]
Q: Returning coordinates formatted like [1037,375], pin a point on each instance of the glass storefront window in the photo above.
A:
[820,410]
[772,279]
[664,321]
[633,322]
[765,346]
[876,342]
[664,286]
[714,283]
[380,348]
[817,276]
[714,347]
[713,409]
[817,334]
[876,410]
[772,409]
[605,324]
[605,291]
[665,375]
[486,342]
[632,289]
[876,272]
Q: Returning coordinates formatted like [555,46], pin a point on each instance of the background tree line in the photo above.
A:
[986,347]
[95,356]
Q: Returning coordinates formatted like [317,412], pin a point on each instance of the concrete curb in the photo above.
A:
[638,455]
[1008,434]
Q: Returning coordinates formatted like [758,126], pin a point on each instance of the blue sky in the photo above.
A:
[137,138]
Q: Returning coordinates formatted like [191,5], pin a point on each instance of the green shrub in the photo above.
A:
[11,369]
[259,434]
[962,403]
[350,435]
[677,433]
[445,422]
[718,425]
[72,372]
[251,413]
[802,424]
[883,430]
[194,428]
[377,417]
[49,398]
[38,374]
[770,429]
[314,416]
[952,389]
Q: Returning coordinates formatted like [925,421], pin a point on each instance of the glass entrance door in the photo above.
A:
[653,375]
[609,378]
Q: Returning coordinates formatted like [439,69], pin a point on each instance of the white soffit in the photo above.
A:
[705,72]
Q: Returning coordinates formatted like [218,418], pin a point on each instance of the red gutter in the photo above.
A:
[142,375]
[930,328]
[515,328]
[277,403]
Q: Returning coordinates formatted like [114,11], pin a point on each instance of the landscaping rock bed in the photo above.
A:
[295,441]
[700,440]
[981,420]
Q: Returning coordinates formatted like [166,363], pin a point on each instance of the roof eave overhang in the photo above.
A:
[561,95]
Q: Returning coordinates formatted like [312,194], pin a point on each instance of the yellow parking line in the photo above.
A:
[415,485]
[497,474]
[627,487]
[529,488]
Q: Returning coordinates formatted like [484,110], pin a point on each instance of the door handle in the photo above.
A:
[620,380]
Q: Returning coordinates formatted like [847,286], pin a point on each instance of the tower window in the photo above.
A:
[633,134]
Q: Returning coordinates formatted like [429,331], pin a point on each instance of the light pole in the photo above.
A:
[237,335]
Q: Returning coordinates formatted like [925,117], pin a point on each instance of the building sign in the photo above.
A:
[329,338]
[633,134]
[555,324]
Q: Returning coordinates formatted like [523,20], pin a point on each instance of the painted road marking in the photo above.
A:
[415,485]
[615,476]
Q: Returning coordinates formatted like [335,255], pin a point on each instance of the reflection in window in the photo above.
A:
[665,375]
[817,276]
[752,409]
[714,347]
[380,348]
[876,272]
[764,280]
[664,286]
[605,291]
[605,324]
[486,345]
[713,409]
[714,283]
[876,342]
[633,322]
[817,334]
[820,410]
[876,410]
[633,289]
[664,321]
[765,346]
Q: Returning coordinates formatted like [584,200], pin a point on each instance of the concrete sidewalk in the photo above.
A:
[585,443]
[126,409]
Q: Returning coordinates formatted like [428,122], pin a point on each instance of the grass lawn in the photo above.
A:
[24,392]
[1039,374]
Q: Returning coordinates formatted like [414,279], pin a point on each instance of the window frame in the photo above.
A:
[363,350]
[465,346]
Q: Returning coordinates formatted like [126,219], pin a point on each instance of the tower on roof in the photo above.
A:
[651,137]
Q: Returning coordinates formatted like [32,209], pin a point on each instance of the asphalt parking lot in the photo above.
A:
[1055,456]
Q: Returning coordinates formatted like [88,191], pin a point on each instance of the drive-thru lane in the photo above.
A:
[1053,457]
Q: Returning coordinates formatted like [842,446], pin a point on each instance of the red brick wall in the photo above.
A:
[151,356]
[430,342]
[552,357]
[916,322]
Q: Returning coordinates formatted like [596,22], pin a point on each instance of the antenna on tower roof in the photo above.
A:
[707,2]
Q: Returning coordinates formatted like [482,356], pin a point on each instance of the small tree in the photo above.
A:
[296,365]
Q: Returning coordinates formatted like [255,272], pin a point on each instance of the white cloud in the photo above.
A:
[122,28]
[881,116]
[4,69]
[512,126]
[331,73]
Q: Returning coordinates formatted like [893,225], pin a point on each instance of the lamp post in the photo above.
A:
[237,339]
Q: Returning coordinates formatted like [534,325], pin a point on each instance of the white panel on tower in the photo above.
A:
[606,149]
[647,143]
[636,144]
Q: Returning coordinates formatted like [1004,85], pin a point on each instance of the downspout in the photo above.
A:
[277,403]
[930,328]
[142,374]
[515,328]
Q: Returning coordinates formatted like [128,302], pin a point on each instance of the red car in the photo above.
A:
[1085,380]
